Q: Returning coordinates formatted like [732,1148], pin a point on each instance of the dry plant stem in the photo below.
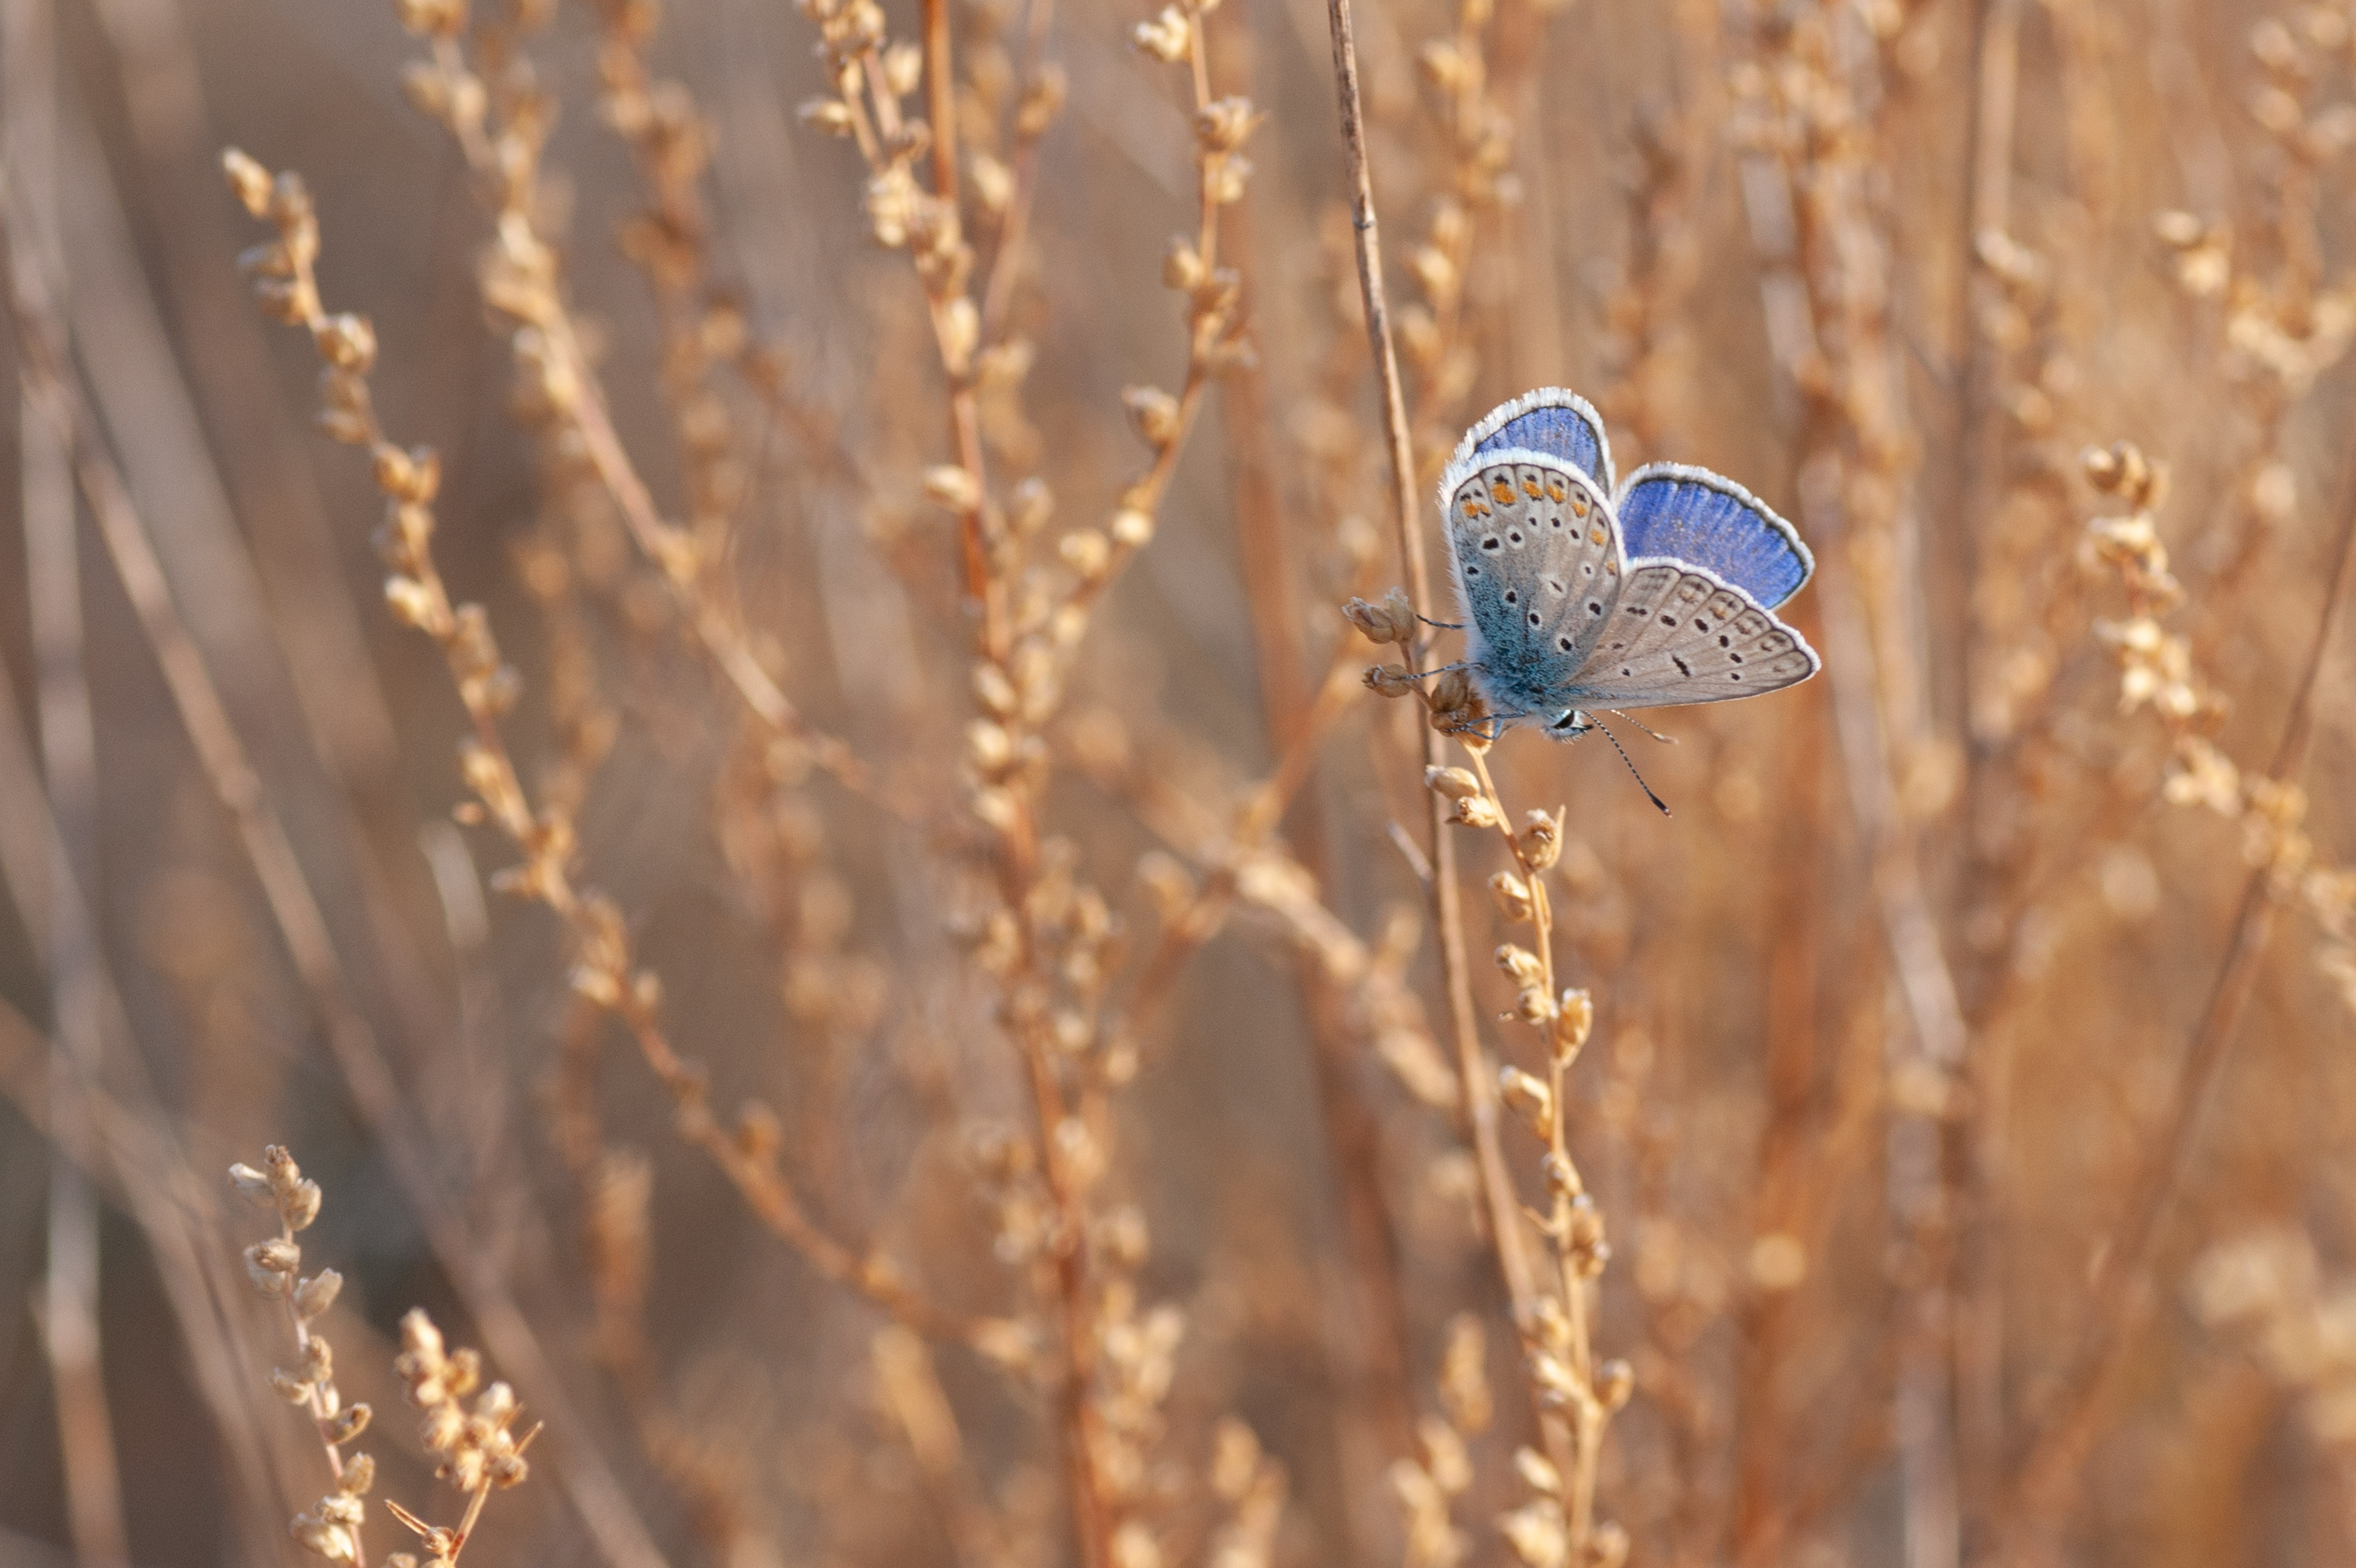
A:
[715,628]
[1006,263]
[1824,243]
[940,98]
[126,1146]
[67,1304]
[1977,1297]
[1588,1414]
[1473,1066]
[2043,1485]
[300,922]
[314,1402]
[1186,934]
[608,975]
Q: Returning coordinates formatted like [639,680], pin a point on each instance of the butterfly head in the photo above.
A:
[1570,724]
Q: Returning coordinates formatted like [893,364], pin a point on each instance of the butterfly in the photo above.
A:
[1579,595]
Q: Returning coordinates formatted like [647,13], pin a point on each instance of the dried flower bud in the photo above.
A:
[1390,680]
[1154,413]
[994,692]
[960,331]
[1554,1379]
[270,1265]
[1182,265]
[993,183]
[1614,1382]
[952,487]
[1521,964]
[1455,783]
[360,1475]
[1452,697]
[347,342]
[1393,620]
[1608,1545]
[1087,552]
[1537,1534]
[350,1423]
[335,1542]
[1537,1472]
[407,476]
[289,1387]
[1527,1097]
[1476,811]
[249,180]
[1223,126]
[1574,1021]
[300,1206]
[1167,37]
[317,1293]
[1511,895]
[1132,528]
[1533,1006]
[904,68]
[252,1186]
[1540,841]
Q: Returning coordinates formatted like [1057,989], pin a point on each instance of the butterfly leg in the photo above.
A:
[1441,625]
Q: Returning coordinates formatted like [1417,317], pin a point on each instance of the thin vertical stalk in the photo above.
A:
[1475,1073]
[1977,1141]
[68,1303]
[1374,1324]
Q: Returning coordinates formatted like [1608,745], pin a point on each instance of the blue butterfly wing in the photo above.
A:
[1693,515]
[1536,559]
[1561,424]
[1681,633]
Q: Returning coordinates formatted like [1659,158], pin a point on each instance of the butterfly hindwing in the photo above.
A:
[1692,515]
[1533,546]
[1681,633]
[1556,424]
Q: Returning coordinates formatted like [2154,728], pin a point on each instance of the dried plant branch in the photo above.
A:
[67,1304]
[1565,1374]
[500,121]
[2042,1485]
[1472,1067]
[295,910]
[607,972]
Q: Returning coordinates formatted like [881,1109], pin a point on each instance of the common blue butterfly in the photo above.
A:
[1578,595]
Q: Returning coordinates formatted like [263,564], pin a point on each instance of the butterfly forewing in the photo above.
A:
[1682,634]
[1537,563]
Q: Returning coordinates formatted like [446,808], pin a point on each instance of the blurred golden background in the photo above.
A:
[878,959]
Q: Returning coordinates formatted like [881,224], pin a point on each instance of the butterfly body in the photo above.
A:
[1577,596]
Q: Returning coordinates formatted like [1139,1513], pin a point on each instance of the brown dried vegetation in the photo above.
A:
[882,954]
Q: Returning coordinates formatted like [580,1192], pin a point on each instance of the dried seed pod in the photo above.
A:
[1455,783]
[1521,964]
[1527,1097]
[1511,895]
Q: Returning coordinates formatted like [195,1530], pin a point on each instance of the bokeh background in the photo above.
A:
[1971,1106]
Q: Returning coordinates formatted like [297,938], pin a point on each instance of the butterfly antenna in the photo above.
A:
[1622,750]
[1656,734]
